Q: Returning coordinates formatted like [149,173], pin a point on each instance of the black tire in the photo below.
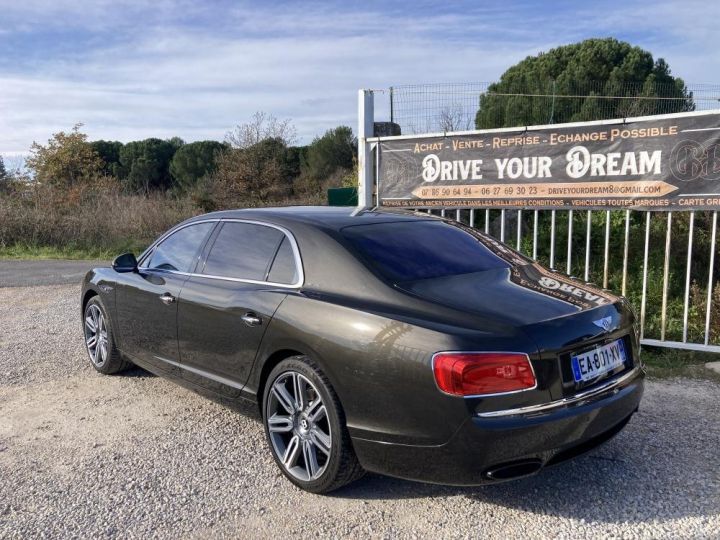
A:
[111,361]
[339,466]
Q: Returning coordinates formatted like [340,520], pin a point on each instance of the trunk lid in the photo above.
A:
[563,316]
[520,295]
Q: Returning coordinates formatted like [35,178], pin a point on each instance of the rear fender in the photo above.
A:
[380,368]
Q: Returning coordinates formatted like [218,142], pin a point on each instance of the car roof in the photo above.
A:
[332,217]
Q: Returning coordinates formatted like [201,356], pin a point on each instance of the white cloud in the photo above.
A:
[167,69]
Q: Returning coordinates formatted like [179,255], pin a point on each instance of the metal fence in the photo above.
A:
[664,262]
[432,108]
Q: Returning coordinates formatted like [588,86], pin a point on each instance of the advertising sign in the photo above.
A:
[669,162]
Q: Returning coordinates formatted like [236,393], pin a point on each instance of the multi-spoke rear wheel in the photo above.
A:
[298,424]
[306,429]
[99,340]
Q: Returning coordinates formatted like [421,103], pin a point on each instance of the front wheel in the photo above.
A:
[99,341]
[305,427]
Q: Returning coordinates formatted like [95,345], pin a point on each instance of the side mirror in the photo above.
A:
[125,263]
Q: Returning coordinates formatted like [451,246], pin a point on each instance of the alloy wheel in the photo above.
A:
[96,337]
[298,426]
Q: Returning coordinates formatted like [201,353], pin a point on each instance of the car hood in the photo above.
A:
[520,295]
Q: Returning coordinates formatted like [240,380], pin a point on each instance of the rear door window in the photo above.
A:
[243,251]
[179,251]
[405,251]
[284,267]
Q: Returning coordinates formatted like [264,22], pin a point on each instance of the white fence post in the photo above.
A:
[366,119]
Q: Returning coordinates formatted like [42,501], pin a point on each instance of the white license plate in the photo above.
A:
[591,364]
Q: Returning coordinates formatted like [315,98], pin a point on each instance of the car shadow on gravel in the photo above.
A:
[136,372]
[626,481]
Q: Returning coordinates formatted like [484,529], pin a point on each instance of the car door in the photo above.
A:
[147,299]
[225,307]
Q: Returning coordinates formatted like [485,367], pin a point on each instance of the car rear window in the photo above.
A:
[414,250]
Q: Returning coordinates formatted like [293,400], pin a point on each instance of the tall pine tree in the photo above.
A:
[571,84]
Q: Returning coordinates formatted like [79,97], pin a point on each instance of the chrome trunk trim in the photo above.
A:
[564,402]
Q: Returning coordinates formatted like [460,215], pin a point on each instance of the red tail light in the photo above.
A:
[475,374]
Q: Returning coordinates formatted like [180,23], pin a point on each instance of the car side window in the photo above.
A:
[178,251]
[284,269]
[243,251]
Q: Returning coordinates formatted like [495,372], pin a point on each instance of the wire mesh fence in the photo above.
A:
[432,108]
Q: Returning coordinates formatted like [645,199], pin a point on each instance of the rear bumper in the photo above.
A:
[489,448]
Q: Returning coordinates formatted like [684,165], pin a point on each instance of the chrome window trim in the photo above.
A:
[564,402]
[532,368]
[293,243]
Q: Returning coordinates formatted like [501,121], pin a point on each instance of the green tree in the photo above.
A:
[536,90]
[3,171]
[145,165]
[256,174]
[109,152]
[295,156]
[193,161]
[336,149]
[177,142]
[261,164]
[66,160]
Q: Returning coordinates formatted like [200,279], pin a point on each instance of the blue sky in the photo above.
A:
[131,69]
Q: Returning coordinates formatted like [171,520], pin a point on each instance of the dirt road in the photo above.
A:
[18,273]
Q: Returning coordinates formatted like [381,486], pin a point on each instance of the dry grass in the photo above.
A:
[84,218]
[93,220]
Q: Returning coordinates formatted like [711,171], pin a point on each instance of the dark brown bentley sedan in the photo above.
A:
[398,343]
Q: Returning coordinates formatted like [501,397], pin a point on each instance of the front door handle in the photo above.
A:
[167,298]
[251,319]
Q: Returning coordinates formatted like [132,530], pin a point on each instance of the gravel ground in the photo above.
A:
[135,456]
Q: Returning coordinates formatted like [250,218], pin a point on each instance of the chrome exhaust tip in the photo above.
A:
[514,469]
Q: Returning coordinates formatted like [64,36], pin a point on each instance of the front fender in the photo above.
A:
[102,282]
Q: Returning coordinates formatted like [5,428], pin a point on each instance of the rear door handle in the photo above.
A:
[167,298]
[251,319]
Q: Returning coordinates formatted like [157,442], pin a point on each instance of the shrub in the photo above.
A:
[97,218]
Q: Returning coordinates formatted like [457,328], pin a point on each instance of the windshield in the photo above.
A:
[412,250]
